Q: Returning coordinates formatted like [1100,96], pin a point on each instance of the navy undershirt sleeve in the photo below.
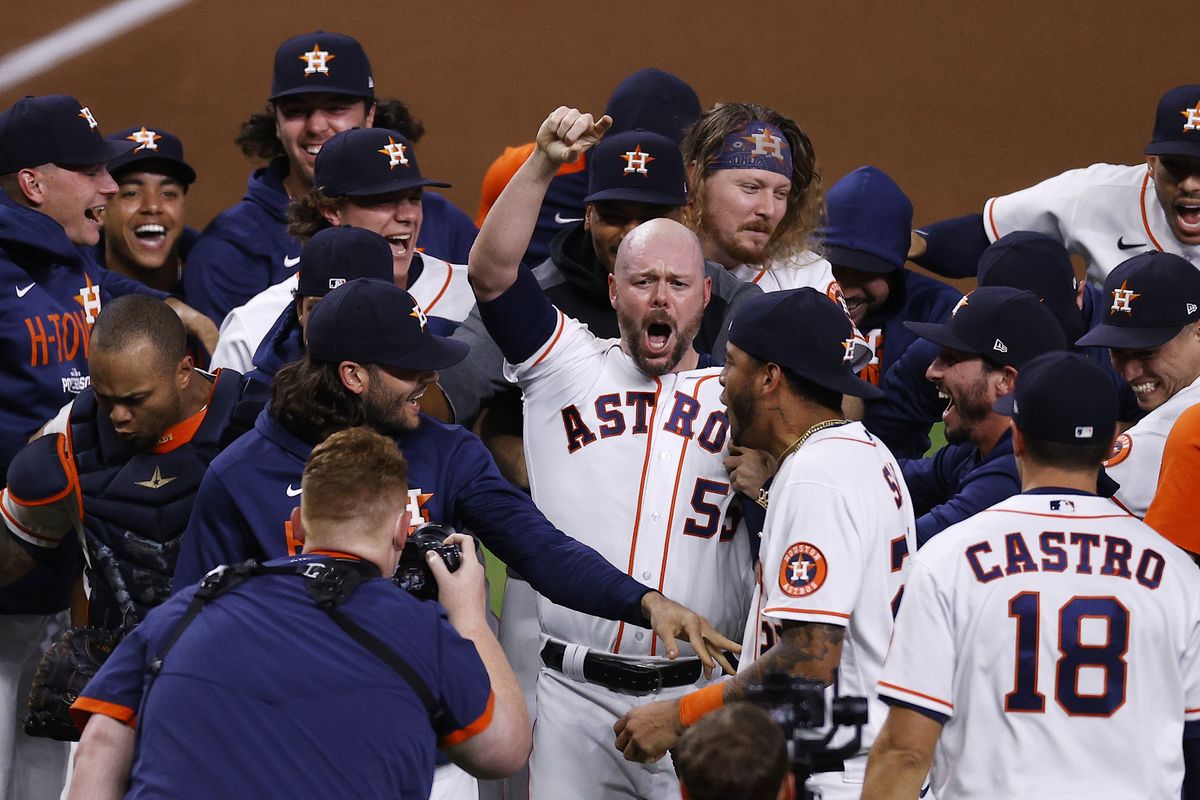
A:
[933,715]
[521,319]
[953,246]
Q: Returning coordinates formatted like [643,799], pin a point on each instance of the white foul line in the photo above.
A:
[80,36]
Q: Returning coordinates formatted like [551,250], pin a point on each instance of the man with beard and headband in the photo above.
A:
[837,535]
[625,442]
[371,355]
[991,334]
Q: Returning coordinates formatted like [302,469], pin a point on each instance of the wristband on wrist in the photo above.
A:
[695,705]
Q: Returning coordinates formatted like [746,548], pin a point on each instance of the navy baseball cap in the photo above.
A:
[53,129]
[1063,397]
[368,161]
[1004,325]
[804,331]
[1039,264]
[322,62]
[376,322]
[653,100]
[1153,296]
[639,167]
[155,150]
[868,222]
[338,255]
[1177,123]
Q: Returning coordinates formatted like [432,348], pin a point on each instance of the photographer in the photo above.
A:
[255,692]
[735,753]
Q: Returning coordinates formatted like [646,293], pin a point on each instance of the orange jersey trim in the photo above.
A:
[637,518]
[806,611]
[847,439]
[32,534]
[562,324]
[1170,511]
[991,209]
[442,291]
[1145,218]
[181,433]
[84,707]
[334,554]
[930,697]
[478,726]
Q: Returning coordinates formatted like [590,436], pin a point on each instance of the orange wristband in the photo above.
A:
[696,704]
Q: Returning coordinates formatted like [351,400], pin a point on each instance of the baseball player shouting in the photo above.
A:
[1104,213]
[1052,629]
[838,530]
[625,440]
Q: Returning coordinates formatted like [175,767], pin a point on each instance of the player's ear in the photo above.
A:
[354,377]
[1007,382]
[369,122]
[297,525]
[29,181]
[400,534]
[612,288]
[183,372]
[1018,439]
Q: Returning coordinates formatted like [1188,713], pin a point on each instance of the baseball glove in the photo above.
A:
[74,657]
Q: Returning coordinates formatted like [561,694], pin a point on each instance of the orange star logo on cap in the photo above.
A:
[1123,299]
[316,61]
[146,139]
[1192,115]
[636,161]
[419,314]
[395,152]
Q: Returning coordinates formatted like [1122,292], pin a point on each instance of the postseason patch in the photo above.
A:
[803,570]
[1122,447]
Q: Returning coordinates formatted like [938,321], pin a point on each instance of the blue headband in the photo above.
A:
[755,145]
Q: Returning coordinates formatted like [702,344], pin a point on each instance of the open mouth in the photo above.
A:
[95,214]
[658,338]
[1144,389]
[414,401]
[399,243]
[312,149]
[151,235]
[1189,215]
[942,395]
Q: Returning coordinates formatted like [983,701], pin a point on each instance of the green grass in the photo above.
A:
[495,567]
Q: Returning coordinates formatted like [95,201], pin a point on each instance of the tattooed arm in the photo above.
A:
[805,649]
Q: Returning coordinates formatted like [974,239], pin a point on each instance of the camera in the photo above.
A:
[798,705]
[412,573]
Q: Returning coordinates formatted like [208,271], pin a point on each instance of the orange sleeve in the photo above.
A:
[478,726]
[498,175]
[1171,512]
[83,708]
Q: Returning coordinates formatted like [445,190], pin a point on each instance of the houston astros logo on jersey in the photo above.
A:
[395,152]
[1123,299]
[147,140]
[1121,449]
[316,61]
[1192,115]
[86,113]
[766,144]
[802,571]
[636,161]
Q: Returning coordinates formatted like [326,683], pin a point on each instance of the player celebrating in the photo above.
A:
[1103,213]
[1153,332]
[1052,629]
[625,439]
[839,523]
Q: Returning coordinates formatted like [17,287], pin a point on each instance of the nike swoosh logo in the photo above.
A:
[294,492]
[561,220]
[1121,244]
[290,262]
[22,292]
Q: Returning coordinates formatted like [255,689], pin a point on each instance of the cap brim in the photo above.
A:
[860,260]
[634,195]
[438,352]
[321,90]
[941,335]
[1173,149]
[1004,405]
[1127,338]
[845,383]
[178,170]
[386,187]
[100,153]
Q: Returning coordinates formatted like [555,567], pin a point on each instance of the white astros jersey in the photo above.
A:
[1106,213]
[633,467]
[805,269]
[1058,638]
[1137,453]
[835,547]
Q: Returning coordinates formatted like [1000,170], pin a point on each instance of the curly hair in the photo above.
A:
[257,137]
[308,399]
[805,204]
[304,215]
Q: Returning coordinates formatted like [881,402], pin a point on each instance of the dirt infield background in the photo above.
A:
[957,101]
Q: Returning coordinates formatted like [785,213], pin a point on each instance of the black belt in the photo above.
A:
[625,676]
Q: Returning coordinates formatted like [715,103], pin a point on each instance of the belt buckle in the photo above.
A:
[653,670]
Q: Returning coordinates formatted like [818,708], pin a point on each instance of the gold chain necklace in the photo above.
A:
[764,494]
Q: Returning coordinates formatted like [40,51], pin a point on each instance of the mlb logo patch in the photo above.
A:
[1062,505]
[1083,431]
[336,282]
